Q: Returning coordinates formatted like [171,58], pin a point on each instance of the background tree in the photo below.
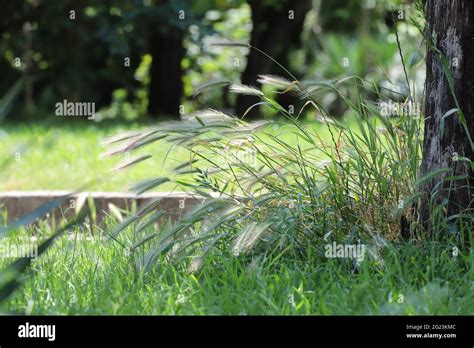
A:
[277,27]
[449,107]
[166,26]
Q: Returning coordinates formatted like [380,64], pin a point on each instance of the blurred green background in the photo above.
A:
[139,62]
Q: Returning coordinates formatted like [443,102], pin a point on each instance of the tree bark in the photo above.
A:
[166,84]
[452,22]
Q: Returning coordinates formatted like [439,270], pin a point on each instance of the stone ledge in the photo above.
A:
[18,203]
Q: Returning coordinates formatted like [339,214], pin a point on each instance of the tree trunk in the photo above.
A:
[452,22]
[275,33]
[166,84]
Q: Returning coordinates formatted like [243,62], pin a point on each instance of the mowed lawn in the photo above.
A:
[67,155]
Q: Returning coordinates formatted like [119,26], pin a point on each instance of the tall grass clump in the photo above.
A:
[286,186]
[283,187]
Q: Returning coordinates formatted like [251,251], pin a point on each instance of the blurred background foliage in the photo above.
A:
[142,59]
